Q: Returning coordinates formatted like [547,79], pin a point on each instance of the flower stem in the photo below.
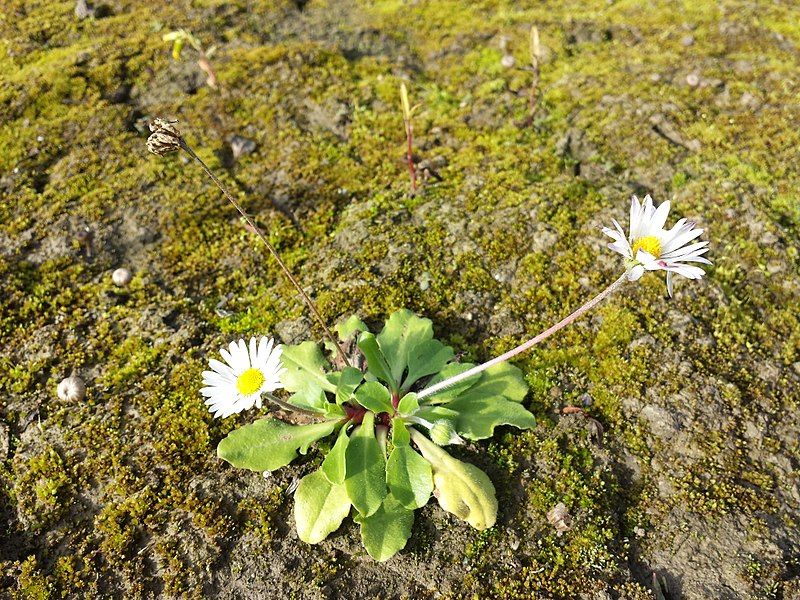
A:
[291,407]
[271,249]
[529,344]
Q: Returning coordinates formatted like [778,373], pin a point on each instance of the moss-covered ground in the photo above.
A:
[685,461]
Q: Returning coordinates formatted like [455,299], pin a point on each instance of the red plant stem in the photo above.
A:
[412,171]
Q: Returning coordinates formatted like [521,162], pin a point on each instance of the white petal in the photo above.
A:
[221,368]
[669,283]
[659,218]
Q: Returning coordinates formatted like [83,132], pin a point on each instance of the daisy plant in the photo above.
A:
[391,401]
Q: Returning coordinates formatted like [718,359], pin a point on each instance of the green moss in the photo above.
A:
[318,93]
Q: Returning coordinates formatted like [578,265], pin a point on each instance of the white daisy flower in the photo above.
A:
[650,247]
[249,372]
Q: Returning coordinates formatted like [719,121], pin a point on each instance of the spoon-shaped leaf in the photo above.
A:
[408,475]
[268,444]
[319,507]
[387,530]
[365,478]
[461,488]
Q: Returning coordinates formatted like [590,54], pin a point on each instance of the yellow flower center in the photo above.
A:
[250,382]
[649,244]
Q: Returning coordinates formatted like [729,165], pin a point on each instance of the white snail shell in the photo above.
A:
[71,389]
[121,277]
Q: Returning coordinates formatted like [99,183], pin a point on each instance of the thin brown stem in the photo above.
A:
[271,249]
[291,407]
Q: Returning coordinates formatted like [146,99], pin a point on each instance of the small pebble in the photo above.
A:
[241,146]
[507,61]
[692,79]
[121,277]
[71,389]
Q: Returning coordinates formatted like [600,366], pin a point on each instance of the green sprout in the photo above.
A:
[179,39]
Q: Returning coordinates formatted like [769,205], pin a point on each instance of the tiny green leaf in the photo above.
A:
[349,379]
[403,333]
[386,531]
[304,368]
[426,358]
[334,464]
[365,478]
[268,444]
[408,404]
[375,397]
[461,488]
[400,433]
[319,507]
[408,475]
[311,398]
[477,417]
[334,411]
[376,361]
[347,328]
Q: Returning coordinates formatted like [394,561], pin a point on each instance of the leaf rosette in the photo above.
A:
[387,459]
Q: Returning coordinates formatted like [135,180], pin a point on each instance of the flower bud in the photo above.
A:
[443,433]
[165,137]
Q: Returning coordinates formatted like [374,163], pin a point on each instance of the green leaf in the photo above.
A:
[376,361]
[375,397]
[408,475]
[304,368]
[400,433]
[269,444]
[311,398]
[477,417]
[499,380]
[334,411]
[334,464]
[408,404]
[386,531]
[349,380]
[461,488]
[436,413]
[347,328]
[403,333]
[319,507]
[365,468]
[424,359]
[451,392]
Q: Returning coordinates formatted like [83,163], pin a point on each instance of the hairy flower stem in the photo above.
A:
[529,344]
[271,249]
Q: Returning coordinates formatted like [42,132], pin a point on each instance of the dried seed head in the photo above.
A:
[165,137]
[71,389]
[121,277]
[559,517]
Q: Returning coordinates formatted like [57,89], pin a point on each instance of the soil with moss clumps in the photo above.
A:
[681,476]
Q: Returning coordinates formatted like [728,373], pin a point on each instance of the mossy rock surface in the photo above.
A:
[684,463]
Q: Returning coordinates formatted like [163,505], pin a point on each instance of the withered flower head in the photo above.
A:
[165,137]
